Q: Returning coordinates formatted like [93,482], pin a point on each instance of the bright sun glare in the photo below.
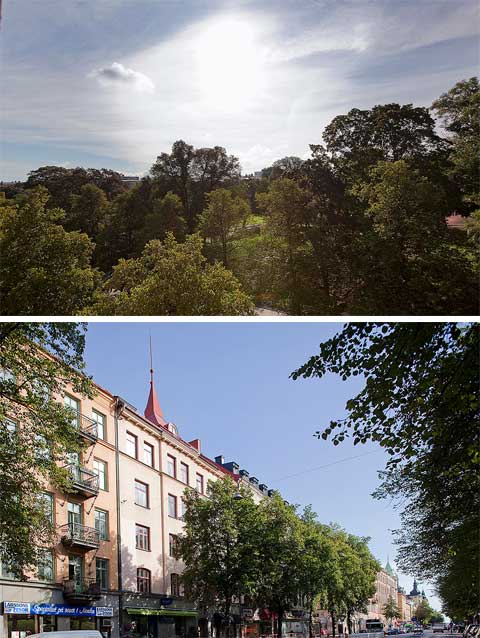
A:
[229,64]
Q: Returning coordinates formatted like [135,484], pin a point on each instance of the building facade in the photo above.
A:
[113,566]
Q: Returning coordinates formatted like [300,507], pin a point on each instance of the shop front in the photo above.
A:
[22,619]
[160,623]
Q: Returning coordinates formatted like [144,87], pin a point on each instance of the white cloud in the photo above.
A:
[118,75]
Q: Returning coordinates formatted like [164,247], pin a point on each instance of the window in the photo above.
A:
[45,566]
[102,573]
[4,573]
[172,544]
[73,404]
[45,502]
[99,419]
[42,448]
[184,473]
[171,466]
[184,508]
[131,445]
[74,513]
[148,454]
[142,537]
[141,494]
[144,580]
[100,469]
[101,524]
[199,483]
[6,375]
[172,506]
[175,585]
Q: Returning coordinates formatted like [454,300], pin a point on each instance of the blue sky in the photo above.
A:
[228,384]
[112,83]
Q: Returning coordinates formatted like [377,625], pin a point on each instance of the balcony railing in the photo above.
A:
[84,481]
[74,534]
[87,427]
[81,589]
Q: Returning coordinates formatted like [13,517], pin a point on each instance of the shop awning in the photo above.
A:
[135,611]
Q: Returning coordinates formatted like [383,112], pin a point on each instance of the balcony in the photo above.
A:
[81,589]
[81,536]
[87,427]
[84,482]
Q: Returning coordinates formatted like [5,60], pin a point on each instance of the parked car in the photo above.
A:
[391,632]
[438,628]
[418,630]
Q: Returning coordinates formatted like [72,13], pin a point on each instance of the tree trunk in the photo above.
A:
[332,615]
[349,622]
[280,623]
[310,623]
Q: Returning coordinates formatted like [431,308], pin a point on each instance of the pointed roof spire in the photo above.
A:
[153,411]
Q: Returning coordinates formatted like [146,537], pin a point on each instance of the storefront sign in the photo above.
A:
[47,609]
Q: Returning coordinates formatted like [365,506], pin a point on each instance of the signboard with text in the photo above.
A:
[51,609]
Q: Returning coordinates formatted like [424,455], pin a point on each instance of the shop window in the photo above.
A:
[175,584]
[144,580]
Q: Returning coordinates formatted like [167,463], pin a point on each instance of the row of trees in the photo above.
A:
[271,556]
[420,402]
[358,228]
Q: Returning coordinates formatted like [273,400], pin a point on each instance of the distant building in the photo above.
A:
[131,181]
[456,221]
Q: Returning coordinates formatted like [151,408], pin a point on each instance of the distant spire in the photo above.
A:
[153,411]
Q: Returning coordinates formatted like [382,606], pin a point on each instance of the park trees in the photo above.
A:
[87,211]
[420,403]
[44,269]
[36,431]
[170,278]
[222,215]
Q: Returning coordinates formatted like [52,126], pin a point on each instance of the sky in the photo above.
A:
[228,385]
[113,83]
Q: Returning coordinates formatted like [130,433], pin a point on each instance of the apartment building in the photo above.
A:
[113,566]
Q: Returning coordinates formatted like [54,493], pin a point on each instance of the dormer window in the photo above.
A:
[171,427]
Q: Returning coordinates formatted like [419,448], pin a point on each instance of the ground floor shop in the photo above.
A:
[154,616]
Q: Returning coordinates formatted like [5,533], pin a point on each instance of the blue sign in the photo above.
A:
[51,609]
[165,602]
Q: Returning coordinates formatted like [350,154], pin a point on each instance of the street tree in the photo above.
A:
[419,402]
[281,549]
[223,214]
[219,547]
[44,270]
[390,609]
[170,278]
[38,363]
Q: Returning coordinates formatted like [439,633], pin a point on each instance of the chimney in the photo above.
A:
[220,460]
[196,444]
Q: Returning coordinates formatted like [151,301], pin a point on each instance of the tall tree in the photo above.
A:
[420,402]
[87,211]
[219,547]
[390,609]
[222,215]
[458,109]
[166,217]
[44,270]
[36,431]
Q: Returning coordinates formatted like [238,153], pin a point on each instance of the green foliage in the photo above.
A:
[223,215]
[36,431]
[390,609]
[87,211]
[170,278]
[420,402]
[44,270]
[219,545]
[459,110]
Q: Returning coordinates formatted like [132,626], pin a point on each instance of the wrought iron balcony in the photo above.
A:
[85,482]
[87,427]
[81,589]
[76,535]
